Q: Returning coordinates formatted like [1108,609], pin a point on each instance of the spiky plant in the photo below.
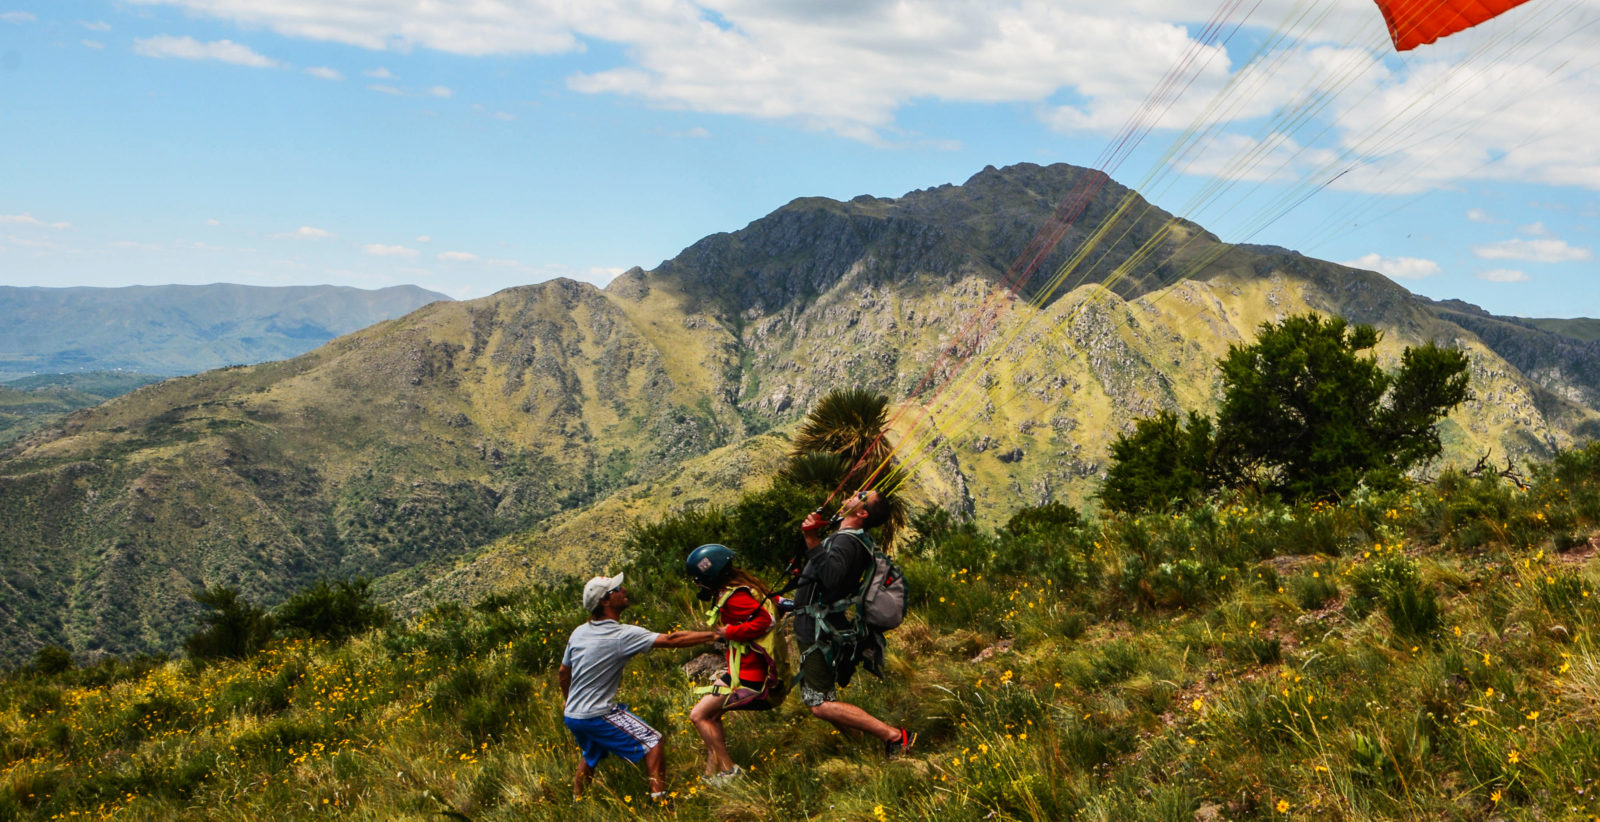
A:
[815,470]
[848,425]
[849,422]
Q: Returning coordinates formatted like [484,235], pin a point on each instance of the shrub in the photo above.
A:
[52,659]
[1052,516]
[1162,462]
[1375,579]
[234,629]
[333,612]
[1182,583]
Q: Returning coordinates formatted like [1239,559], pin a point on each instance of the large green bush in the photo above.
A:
[333,611]
[1305,413]
[232,628]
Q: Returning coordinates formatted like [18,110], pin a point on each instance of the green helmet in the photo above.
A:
[709,565]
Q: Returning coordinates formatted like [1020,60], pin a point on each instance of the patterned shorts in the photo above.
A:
[816,681]
[618,732]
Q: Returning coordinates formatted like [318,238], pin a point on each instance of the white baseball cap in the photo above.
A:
[596,589]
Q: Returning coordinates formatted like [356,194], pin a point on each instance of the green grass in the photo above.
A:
[1426,654]
[32,403]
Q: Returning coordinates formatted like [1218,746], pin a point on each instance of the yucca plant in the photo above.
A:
[851,425]
[849,422]
[815,470]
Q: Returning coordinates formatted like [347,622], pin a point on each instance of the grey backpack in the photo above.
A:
[882,602]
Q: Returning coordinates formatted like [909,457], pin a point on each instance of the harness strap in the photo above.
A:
[737,650]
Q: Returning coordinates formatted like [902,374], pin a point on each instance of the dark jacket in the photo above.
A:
[832,573]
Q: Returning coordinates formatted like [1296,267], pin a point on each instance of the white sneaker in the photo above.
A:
[722,779]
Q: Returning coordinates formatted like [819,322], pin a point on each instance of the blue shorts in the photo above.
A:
[618,732]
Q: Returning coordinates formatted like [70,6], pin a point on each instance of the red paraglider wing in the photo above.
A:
[1416,22]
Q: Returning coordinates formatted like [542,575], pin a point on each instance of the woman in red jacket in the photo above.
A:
[744,615]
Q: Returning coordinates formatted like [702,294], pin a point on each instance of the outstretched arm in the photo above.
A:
[683,639]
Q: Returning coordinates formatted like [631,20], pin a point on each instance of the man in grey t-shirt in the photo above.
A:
[591,671]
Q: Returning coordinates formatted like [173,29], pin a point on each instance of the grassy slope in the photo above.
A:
[32,403]
[413,440]
[1582,328]
[1239,662]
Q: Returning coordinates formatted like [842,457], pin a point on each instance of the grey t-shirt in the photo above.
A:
[596,653]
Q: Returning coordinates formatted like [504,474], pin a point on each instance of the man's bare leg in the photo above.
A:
[655,763]
[847,717]
[581,781]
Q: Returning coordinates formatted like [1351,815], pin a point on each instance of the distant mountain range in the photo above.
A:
[479,445]
[169,330]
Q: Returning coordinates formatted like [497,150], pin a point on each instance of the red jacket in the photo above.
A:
[744,620]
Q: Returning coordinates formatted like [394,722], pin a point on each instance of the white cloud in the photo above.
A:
[379,73]
[17,17]
[396,91]
[1503,275]
[505,116]
[324,72]
[491,27]
[378,250]
[1399,268]
[423,238]
[1478,215]
[92,44]
[305,232]
[1538,251]
[28,242]
[29,219]
[95,25]
[458,256]
[1512,104]
[844,67]
[1536,229]
[188,48]
[212,221]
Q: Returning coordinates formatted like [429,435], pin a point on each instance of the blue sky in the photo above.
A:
[468,147]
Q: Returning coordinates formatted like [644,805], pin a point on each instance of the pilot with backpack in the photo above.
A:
[849,592]
[745,615]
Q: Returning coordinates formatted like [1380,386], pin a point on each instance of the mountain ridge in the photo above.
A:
[172,330]
[476,446]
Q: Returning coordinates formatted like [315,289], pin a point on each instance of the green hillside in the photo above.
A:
[31,403]
[490,445]
[1428,654]
[1582,329]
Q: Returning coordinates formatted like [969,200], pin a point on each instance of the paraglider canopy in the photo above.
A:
[1414,23]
